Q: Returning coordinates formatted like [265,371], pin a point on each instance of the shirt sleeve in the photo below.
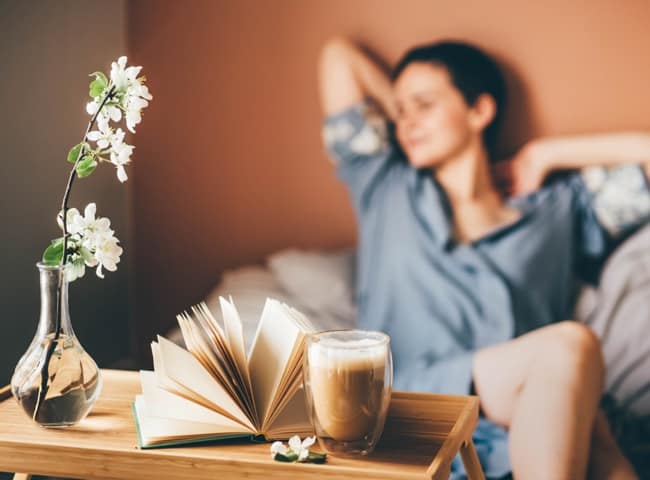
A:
[610,203]
[359,142]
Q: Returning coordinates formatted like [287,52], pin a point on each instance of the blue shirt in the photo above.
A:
[440,300]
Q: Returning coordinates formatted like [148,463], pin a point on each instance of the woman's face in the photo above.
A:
[434,123]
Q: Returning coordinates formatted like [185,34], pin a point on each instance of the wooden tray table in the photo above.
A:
[423,434]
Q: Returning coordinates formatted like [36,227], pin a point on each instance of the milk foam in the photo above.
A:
[362,353]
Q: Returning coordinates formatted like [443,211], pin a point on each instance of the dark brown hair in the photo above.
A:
[472,71]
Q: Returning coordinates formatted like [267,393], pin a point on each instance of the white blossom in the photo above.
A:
[109,113]
[106,136]
[129,96]
[103,139]
[89,227]
[136,99]
[76,268]
[297,451]
[121,155]
[133,117]
[119,152]
[278,447]
[92,242]
[72,212]
[92,107]
[121,75]
[301,448]
[107,254]
[132,94]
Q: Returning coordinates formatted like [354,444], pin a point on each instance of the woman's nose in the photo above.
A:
[410,123]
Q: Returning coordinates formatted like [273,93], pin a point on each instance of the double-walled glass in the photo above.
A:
[348,376]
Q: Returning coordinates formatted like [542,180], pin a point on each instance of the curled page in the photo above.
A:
[182,368]
[274,344]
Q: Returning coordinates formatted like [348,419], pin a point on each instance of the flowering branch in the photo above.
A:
[73,172]
[88,241]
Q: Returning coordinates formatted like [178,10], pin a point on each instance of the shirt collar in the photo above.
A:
[433,210]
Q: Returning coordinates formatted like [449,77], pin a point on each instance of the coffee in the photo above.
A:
[348,387]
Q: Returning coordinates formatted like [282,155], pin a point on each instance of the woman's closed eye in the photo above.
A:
[420,106]
[424,105]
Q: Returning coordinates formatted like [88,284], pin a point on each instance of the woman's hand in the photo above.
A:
[522,173]
[526,170]
[347,74]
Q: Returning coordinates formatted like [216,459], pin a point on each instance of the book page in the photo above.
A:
[215,341]
[181,367]
[292,375]
[201,349]
[281,399]
[218,342]
[161,403]
[235,338]
[293,419]
[273,345]
[154,431]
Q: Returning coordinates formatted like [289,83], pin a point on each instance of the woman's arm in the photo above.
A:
[562,153]
[347,75]
[526,171]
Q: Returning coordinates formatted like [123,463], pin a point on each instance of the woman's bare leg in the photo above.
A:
[544,386]
[606,461]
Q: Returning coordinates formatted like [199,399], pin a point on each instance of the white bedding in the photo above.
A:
[319,284]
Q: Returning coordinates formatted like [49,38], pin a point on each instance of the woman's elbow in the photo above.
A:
[337,44]
[335,52]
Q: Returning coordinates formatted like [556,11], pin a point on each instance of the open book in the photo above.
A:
[214,390]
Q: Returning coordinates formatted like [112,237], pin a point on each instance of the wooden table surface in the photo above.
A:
[422,435]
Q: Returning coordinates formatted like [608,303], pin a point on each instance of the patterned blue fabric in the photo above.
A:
[440,301]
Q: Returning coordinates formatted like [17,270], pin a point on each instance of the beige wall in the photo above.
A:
[230,165]
[47,50]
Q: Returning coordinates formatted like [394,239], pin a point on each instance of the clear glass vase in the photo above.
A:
[56,382]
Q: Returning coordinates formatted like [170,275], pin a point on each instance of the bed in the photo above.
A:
[321,285]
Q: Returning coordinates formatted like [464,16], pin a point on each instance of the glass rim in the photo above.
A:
[380,337]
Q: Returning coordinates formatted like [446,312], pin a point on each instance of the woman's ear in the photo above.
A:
[482,112]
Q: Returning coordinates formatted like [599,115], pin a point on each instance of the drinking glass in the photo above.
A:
[348,376]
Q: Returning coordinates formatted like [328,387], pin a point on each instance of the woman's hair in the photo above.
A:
[472,72]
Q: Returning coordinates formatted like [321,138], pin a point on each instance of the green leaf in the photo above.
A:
[316,457]
[293,457]
[100,76]
[73,154]
[96,88]
[98,85]
[86,166]
[53,254]
[285,458]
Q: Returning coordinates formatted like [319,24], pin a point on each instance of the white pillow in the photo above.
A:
[321,281]
[317,283]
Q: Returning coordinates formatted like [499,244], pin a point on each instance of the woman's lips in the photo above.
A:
[415,142]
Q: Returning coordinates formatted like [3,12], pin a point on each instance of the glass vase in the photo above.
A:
[56,382]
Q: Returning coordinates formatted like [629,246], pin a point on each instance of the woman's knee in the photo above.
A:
[576,351]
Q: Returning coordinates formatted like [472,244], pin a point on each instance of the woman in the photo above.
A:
[474,289]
